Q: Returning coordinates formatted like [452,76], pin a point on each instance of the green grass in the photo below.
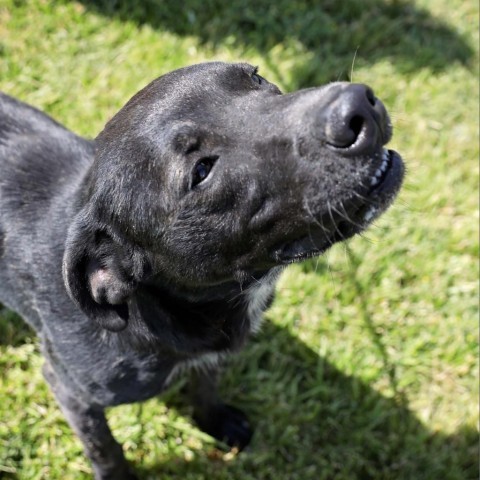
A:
[367,367]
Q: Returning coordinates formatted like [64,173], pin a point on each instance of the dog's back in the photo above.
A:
[37,157]
[39,160]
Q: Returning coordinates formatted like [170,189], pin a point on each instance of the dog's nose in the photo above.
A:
[356,121]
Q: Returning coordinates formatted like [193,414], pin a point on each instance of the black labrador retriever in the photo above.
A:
[156,247]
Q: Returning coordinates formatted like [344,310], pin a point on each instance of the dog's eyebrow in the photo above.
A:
[249,69]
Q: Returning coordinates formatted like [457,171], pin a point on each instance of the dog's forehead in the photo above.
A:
[201,75]
[202,94]
[185,93]
[196,83]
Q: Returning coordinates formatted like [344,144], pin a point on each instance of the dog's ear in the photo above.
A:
[101,272]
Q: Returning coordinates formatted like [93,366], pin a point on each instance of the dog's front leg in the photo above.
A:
[90,424]
[223,422]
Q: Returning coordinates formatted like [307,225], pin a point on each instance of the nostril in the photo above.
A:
[352,119]
[371,97]
[356,125]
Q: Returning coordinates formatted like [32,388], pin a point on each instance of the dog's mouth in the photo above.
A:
[374,197]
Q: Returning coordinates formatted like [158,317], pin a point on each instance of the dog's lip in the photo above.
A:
[387,174]
[303,248]
[298,251]
[383,186]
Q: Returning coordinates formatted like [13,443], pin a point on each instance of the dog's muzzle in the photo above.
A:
[353,126]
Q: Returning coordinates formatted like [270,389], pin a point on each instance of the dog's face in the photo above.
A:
[218,176]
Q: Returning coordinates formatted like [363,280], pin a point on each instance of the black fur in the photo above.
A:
[160,242]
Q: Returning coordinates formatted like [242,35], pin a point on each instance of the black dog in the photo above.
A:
[157,246]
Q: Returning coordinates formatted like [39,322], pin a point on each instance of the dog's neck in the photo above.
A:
[188,323]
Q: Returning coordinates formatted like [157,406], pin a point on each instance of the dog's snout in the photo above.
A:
[355,120]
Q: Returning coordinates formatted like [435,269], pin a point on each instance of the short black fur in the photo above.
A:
[133,263]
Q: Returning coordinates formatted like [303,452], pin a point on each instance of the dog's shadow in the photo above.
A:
[328,32]
[311,418]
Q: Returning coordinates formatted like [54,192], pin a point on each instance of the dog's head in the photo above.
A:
[211,175]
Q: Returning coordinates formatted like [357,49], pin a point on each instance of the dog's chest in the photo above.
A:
[257,298]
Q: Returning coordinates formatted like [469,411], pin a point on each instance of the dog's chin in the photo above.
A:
[382,188]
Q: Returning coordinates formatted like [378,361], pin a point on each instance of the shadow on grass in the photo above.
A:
[314,422]
[13,330]
[329,31]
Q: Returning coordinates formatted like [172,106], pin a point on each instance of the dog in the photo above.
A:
[156,247]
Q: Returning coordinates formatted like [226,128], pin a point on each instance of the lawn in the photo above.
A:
[367,367]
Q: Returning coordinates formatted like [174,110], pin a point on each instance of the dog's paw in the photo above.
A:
[227,424]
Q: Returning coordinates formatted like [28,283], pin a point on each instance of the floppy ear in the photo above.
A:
[101,272]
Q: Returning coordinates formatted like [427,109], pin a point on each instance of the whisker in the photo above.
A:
[367,238]
[244,292]
[353,63]
[317,222]
[362,197]
[329,209]
[347,217]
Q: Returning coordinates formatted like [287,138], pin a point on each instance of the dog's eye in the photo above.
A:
[202,169]
[257,78]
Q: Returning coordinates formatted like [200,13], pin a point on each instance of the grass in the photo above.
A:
[367,367]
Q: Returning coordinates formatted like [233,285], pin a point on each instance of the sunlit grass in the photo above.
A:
[367,366]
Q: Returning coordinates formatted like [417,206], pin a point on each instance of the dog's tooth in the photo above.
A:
[370,213]
[378,173]
[373,181]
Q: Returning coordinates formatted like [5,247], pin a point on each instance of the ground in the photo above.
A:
[367,365]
